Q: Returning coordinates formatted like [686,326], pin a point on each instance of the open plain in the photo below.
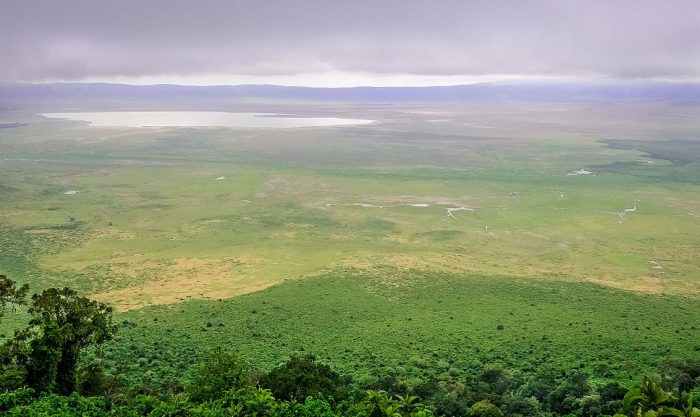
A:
[424,207]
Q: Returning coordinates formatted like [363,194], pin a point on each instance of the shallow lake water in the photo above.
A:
[200,119]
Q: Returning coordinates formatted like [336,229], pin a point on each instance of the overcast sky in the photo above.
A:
[348,42]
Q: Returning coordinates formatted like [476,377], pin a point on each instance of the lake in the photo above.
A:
[200,119]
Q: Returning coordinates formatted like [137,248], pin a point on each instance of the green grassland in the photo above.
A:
[373,277]
[417,326]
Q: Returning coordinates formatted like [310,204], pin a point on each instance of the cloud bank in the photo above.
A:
[75,40]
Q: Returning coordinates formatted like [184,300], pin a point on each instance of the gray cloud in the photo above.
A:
[74,39]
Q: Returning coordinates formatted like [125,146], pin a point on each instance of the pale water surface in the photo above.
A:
[200,119]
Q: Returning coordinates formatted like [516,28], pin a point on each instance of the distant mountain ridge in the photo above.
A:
[484,92]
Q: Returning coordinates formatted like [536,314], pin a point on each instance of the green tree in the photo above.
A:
[484,409]
[648,396]
[301,377]
[252,402]
[650,400]
[375,404]
[565,398]
[407,405]
[12,373]
[11,294]
[93,382]
[379,404]
[42,364]
[63,323]
[611,395]
[218,372]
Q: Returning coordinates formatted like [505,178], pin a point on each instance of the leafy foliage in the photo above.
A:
[301,377]
[404,331]
[219,371]
[45,354]
[650,400]
[11,294]
[64,323]
[224,384]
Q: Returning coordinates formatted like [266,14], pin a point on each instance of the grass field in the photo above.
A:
[435,223]
[152,225]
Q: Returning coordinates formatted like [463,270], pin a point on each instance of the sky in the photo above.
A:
[348,42]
